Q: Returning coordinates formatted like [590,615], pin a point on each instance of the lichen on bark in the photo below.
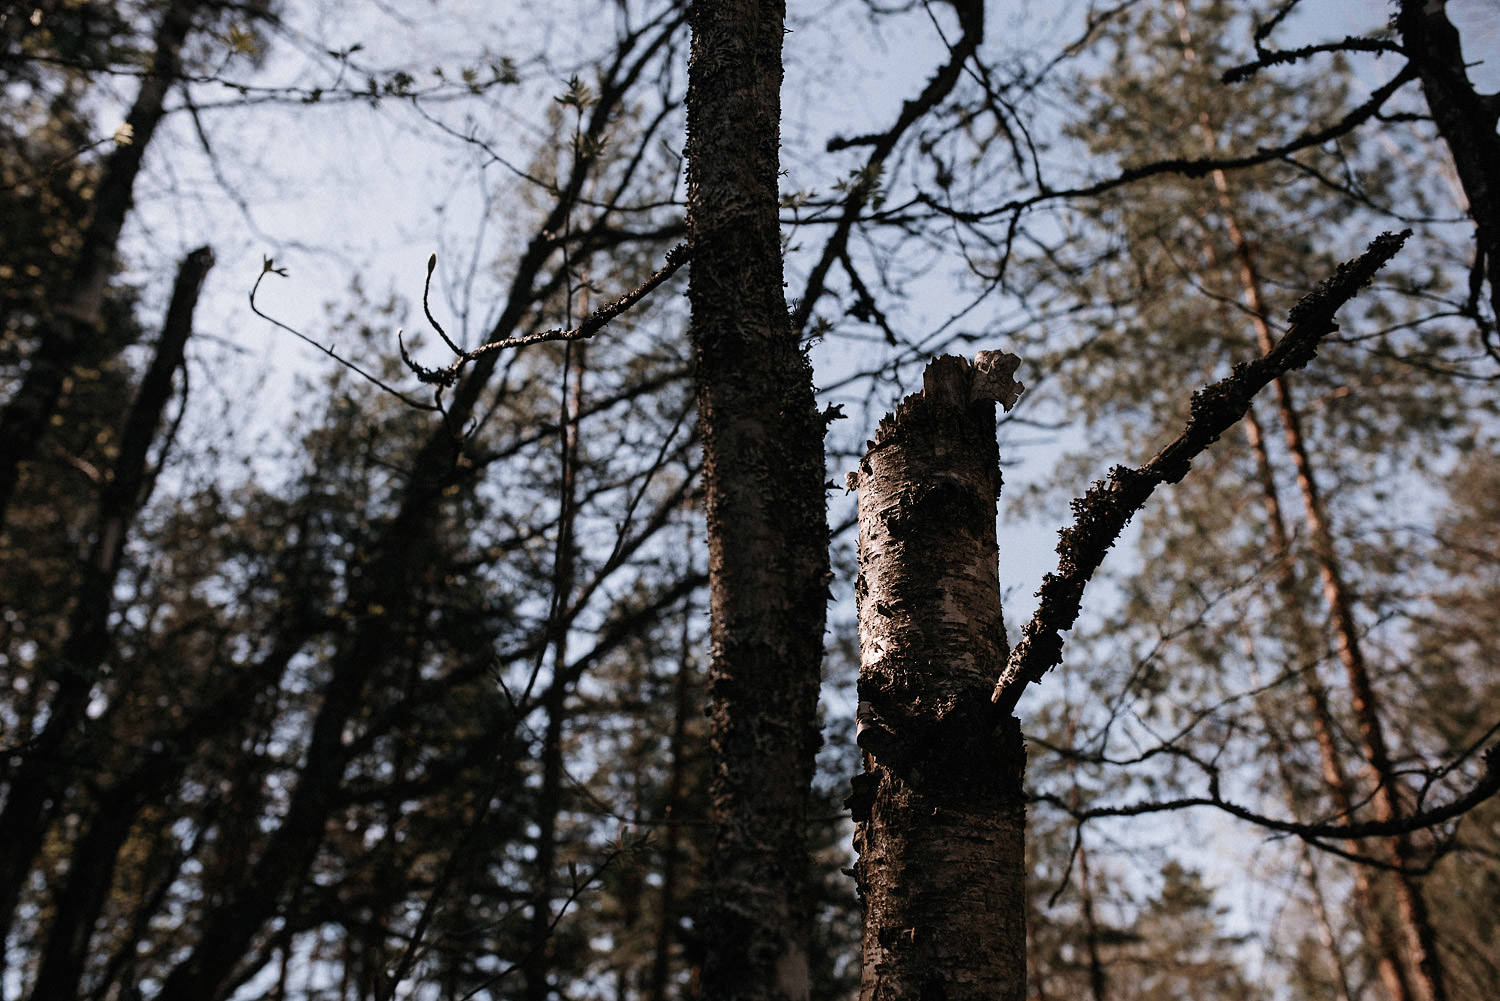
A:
[939,810]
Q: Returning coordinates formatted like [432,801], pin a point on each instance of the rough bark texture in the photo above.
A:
[1466,121]
[1100,515]
[764,492]
[940,812]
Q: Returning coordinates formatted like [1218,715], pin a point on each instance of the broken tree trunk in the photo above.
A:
[939,811]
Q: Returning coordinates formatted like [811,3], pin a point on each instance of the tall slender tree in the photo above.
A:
[764,500]
[1225,234]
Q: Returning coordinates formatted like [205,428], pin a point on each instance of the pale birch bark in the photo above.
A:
[940,812]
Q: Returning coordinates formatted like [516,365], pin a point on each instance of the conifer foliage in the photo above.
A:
[512,656]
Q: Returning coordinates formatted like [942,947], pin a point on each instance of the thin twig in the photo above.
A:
[268,268]
[426,290]
[448,375]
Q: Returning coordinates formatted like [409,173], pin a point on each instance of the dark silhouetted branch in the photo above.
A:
[1487,786]
[1193,166]
[1105,509]
[447,376]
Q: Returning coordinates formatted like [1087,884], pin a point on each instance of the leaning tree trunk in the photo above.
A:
[43,771]
[764,493]
[1413,909]
[1412,906]
[1466,120]
[76,908]
[939,812]
[73,323]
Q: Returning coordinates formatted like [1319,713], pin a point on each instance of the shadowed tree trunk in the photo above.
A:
[402,554]
[1466,121]
[1098,977]
[940,812]
[24,422]
[672,822]
[764,495]
[49,763]
[75,319]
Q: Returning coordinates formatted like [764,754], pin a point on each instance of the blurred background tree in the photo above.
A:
[306,693]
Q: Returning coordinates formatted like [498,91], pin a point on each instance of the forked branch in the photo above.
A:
[448,375]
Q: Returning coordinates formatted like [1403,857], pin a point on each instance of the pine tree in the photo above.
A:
[1249,554]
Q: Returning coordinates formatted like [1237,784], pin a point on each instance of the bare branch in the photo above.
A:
[1104,510]
[1190,167]
[1487,786]
[942,83]
[447,376]
[268,268]
[1269,57]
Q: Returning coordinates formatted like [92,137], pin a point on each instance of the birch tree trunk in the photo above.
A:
[939,812]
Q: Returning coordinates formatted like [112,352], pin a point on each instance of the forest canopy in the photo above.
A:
[422,570]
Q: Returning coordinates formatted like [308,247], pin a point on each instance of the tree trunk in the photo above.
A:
[1098,976]
[536,969]
[764,495]
[940,814]
[1466,121]
[46,768]
[1419,933]
[1380,939]
[671,847]
[74,321]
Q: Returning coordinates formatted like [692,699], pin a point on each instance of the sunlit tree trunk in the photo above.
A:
[1419,933]
[1368,914]
[1382,940]
[764,495]
[939,812]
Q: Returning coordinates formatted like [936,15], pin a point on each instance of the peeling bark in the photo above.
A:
[940,812]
